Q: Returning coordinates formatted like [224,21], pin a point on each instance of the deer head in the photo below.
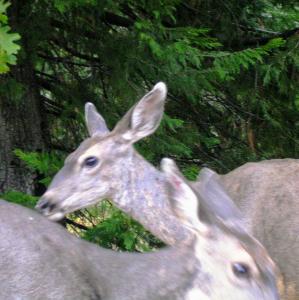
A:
[231,263]
[100,166]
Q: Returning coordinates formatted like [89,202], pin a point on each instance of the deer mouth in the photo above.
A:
[50,209]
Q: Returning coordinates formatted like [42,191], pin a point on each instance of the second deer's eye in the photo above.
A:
[241,270]
[90,161]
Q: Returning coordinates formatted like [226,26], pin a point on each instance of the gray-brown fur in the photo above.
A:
[122,175]
[267,194]
[40,260]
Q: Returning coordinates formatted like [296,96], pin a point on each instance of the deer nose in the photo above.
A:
[50,209]
[45,206]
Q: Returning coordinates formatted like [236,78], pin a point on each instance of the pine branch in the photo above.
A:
[64,60]
[107,17]
[51,106]
[264,40]
[43,83]
[63,45]
[117,20]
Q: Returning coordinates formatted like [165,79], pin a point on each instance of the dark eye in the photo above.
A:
[241,270]
[91,161]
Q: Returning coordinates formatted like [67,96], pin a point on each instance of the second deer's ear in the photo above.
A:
[143,118]
[95,123]
[215,200]
[181,196]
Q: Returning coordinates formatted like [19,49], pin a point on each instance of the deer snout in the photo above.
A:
[49,208]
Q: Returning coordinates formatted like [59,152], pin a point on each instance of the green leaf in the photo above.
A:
[8,46]
[7,40]
[3,6]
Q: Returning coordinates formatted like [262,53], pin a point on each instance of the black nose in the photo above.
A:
[45,206]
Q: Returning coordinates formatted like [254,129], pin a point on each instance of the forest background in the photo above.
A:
[231,68]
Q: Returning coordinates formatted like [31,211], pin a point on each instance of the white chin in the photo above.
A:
[56,217]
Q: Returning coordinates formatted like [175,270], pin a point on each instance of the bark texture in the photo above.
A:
[20,127]
[20,109]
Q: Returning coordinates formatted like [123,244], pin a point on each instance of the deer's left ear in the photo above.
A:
[181,196]
[143,118]
[95,123]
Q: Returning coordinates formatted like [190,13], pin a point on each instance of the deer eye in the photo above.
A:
[241,270]
[90,161]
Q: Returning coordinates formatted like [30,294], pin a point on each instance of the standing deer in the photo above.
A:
[106,166]
[267,194]
[41,260]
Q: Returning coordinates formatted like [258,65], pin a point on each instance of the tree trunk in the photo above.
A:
[20,127]
[20,114]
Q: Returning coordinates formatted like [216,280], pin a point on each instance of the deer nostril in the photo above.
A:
[52,206]
[44,206]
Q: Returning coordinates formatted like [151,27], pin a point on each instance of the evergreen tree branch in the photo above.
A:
[65,60]
[107,17]
[264,40]
[63,45]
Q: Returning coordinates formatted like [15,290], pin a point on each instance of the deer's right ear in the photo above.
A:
[143,118]
[95,123]
[182,198]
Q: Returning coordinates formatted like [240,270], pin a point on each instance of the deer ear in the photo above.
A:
[143,118]
[181,196]
[95,123]
[215,201]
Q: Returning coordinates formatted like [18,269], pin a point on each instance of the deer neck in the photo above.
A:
[142,194]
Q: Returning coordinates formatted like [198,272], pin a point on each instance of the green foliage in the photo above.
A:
[118,231]
[279,18]
[191,172]
[47,164]
[20,198]
[228,65]
[172,123]
[8,46]
[13,89]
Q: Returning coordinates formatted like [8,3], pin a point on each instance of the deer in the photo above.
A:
[39,259]
[270,211]
[267,192]
[106,165]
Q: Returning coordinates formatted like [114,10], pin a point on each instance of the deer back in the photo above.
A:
[39,259]
[267,194]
